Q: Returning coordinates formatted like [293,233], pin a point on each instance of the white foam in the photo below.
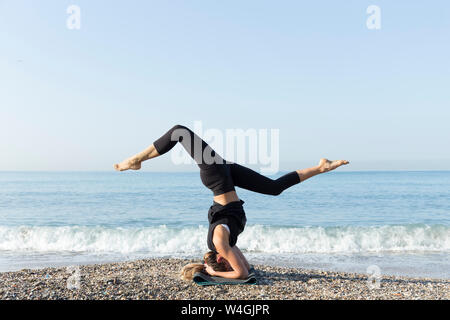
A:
[257,238]
[401,238]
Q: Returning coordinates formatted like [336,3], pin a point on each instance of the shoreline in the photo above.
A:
[158,279]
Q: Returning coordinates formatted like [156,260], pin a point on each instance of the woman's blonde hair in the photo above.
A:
[188,271]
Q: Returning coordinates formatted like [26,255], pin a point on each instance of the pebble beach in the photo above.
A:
[159,279]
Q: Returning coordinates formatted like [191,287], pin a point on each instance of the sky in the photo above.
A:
[84,99]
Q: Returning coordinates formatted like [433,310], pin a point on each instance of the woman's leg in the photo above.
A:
[214,172]
[198,149]
[134,162]
[248,179]
[325,165]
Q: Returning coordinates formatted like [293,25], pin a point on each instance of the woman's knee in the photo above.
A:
[179,127]
[274,188]
[276,191]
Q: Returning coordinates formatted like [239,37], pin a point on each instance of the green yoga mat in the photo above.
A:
[207,280]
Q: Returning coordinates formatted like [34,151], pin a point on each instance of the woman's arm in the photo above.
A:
[240,270]
[241,255]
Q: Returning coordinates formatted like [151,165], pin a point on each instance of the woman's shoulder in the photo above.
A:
[225,226]
[221,234]
[221,230]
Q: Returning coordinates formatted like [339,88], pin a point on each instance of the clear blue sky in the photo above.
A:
[85,99]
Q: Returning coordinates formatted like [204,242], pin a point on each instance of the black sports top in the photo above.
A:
[232,214]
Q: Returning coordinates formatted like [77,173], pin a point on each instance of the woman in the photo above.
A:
[226,216]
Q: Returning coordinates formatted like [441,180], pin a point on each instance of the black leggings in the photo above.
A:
[218,175]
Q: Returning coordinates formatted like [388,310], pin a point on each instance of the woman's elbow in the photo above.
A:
[242,274]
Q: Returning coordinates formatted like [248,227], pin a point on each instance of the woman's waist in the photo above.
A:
[235,205]
[236,222]
[226,198]
[232,210]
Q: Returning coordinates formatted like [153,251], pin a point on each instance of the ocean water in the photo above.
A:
[398,221]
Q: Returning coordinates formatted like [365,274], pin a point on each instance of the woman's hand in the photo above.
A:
[209,270]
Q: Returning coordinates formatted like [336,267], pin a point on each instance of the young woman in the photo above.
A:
[226,216]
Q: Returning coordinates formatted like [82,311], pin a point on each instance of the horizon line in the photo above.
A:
[193,171]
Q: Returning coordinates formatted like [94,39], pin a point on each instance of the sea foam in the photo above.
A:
[256,238]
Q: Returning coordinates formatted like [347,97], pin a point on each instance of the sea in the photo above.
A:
[395,222]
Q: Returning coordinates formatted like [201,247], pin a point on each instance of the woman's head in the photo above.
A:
[216,261]
[212,259]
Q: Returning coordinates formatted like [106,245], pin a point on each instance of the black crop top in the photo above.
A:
[232,214]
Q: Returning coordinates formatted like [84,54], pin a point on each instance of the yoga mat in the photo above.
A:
[207,280]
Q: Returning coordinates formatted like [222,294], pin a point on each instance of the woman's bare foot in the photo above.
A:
[130,163]
[326,165]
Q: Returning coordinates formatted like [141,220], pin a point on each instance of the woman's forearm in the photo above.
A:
[241,255]
[231,274]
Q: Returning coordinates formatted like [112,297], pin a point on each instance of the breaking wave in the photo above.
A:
[256,238]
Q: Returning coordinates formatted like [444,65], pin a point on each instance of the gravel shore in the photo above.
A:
[159,279]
